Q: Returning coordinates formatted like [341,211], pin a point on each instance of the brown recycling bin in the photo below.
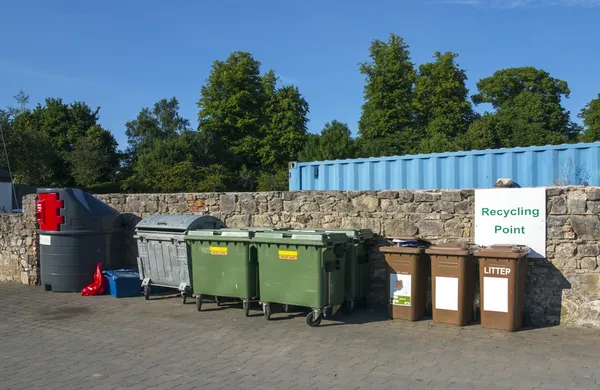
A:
[453,276]
[408,270]
[502,270]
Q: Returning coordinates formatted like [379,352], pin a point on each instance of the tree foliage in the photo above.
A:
[441,104]
[388,112]
[590,115]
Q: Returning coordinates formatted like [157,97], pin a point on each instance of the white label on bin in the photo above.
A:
[446,293]
[400,288]
[45,240]
[495,294]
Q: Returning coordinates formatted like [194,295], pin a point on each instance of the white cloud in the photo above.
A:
[527,3]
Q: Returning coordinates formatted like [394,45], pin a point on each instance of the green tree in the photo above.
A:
[336,141]
[94,158]
[386,126]
[528,108]
[231,110]
[284,132]
[441,103]
[590,115]
[43,143]
[312,149]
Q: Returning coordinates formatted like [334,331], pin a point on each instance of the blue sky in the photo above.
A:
[123,55]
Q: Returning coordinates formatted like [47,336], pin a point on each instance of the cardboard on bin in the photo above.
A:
[452,249]
[405,249]
[503,251]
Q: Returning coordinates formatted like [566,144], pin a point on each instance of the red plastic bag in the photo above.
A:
[98,287]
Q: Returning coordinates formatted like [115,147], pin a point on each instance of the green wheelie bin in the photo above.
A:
[301,269]
[357,256]
[223,265]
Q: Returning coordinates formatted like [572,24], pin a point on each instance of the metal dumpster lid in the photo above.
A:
[503,251]
[174,222]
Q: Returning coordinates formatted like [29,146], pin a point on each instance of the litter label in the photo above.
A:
[400,288]
[446,293]
[495,294]
[288,255]
[218,250]
[45,240]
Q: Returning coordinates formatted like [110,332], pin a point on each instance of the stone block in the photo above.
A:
[576,202]
[588,263]
[423,196]
[593,194]
[451,196]
[593,207]
[587,227]
[405,196]
[309,207]
[399,227]
[292,206]
[227,203]
[430,229]
[588,250]
[366,203]
[276,204]
[464,207]
[387,195]
[558,205]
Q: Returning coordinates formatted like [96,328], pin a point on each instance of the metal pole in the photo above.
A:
[12,185]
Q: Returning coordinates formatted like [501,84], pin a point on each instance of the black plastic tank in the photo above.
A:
[76,232]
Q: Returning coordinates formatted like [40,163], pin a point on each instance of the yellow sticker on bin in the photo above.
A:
[288,255]
[218,250]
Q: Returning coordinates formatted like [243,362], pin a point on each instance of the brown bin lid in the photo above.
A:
[503,251]
[453,249]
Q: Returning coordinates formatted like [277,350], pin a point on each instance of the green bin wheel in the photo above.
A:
[183,298]
[199,302]
[267,311]
[246,306]
[146,292]
[286,308]
[218,301]
[312,321]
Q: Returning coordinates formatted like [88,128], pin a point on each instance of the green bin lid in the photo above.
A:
[299,237]
[232,233]
[356,234]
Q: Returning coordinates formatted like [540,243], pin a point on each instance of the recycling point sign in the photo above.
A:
[512,216]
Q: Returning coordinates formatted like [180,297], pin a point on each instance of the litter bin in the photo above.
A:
[453,275]
[162,252]
[76,232]
[407,277]
[301,269]
[502,271]
[224,265]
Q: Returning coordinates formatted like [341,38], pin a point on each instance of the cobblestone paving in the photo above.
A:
[65,341]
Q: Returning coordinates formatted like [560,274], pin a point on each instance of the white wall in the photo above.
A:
[6,197]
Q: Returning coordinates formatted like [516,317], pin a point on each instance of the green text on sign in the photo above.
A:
[401,301]
[516,212]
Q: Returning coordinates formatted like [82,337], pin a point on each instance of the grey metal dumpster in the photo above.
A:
[162,251]
[76,232]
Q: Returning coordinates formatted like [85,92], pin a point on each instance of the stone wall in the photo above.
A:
[563,288]
[18,246]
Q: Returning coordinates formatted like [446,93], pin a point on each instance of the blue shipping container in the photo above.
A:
[536,166]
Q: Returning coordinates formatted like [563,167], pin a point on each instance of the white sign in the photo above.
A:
[45,240]
[495,294]
[400,289]
[446,293]
[512,216]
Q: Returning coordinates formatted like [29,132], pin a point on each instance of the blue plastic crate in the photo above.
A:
[124,283]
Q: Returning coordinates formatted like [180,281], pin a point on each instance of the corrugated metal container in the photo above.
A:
[536,166]
[163,255]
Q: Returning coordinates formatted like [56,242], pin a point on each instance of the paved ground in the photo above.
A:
[64,341]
